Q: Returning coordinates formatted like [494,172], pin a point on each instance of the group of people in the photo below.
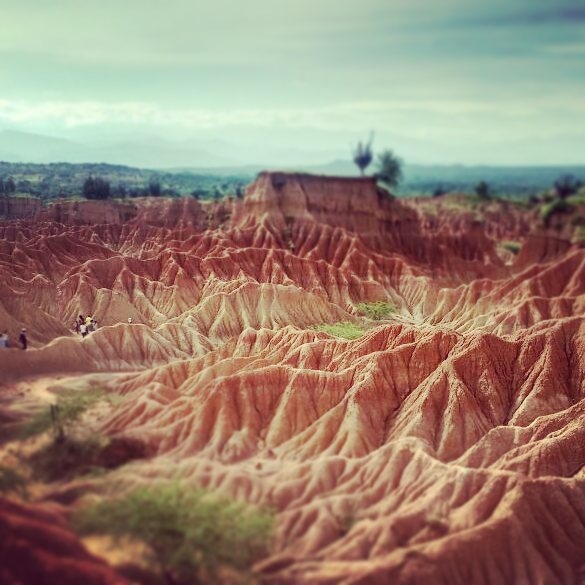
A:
[22,339]
[85,325]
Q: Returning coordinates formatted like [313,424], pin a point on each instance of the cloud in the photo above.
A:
[422,116]
[568,15]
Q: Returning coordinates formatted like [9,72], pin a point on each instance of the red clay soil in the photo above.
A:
[446,445]
[38,547]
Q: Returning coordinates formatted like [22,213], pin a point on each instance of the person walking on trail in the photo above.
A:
[83,330]
[22,339]
[4,340]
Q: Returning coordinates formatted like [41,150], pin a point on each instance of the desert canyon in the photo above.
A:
[444,445]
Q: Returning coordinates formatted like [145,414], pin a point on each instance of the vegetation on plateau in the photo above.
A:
[191,535]
[389,169]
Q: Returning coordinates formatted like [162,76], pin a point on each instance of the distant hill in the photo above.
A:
[521,180]
[16,146]
[187,166]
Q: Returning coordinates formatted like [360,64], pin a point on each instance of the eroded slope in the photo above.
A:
[446,444]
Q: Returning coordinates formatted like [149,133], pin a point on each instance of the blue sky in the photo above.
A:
[493,82]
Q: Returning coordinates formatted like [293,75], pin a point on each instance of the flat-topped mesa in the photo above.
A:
[354,203]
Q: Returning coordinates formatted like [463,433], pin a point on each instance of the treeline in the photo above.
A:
[100,188]
[103,181]
[7,186]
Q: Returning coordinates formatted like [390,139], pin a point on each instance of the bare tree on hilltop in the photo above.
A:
[362,155]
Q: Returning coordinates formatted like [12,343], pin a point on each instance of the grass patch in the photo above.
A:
[12,482]
[344,329]
[377,310]
[71,404]
[190,534]
[513,247]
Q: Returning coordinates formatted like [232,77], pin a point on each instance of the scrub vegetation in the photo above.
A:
[343,329]
[191,535]
[376,310]
[59,417]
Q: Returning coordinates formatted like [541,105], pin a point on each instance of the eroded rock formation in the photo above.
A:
[445,445]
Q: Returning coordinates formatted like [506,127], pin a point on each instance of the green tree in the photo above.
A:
[566,186]
[121,191]
[190,534]
[389,169]
[483,191]
[96,188]
[362,155]
[9,186]
[154,187]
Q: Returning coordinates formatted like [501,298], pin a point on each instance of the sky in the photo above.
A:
[456,81]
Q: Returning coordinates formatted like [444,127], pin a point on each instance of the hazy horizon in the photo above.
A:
[494,84]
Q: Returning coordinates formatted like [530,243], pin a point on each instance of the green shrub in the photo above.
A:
[71,404]
[345,329]
[190,534]
[377,310]
[549,209]
[71,457]
[84,454]
[12,482]
[513,247]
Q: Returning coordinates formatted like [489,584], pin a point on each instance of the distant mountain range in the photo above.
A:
[18,146]
[150,152]
[223,158]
